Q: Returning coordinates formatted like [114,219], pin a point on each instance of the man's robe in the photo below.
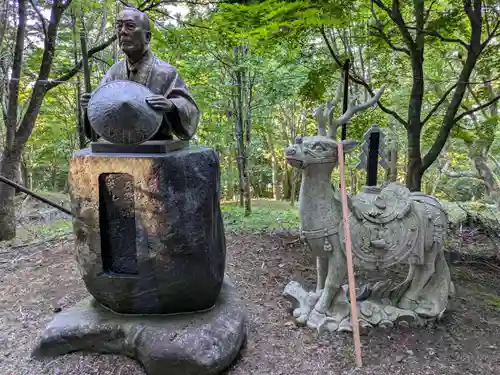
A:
[162,79]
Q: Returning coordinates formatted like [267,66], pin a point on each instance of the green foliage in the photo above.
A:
[292,72]
[462,189]
[266,215]
[53,229]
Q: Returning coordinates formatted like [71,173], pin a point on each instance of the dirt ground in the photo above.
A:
[39,280]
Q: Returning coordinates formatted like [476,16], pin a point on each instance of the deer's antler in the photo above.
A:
[323,112]
[319,114]
[333,124]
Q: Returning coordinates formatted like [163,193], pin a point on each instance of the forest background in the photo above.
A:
[257,70]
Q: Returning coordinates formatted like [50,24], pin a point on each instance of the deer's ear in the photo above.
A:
[349,145]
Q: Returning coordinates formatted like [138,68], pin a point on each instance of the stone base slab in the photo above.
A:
[148,147]
[184,344]
[372,311]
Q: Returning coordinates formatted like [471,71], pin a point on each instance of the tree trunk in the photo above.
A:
[240,157]
[78,89]
[352,181]
[82,141]
[9,168]
[295,176]
[474,13]
[230,177]
[53,177]
[11,156]
[274,165]
[393,166]
[17,134]
[285,181]
[243,129]
[414,162]
[24,172]
[414,171]
[491,183]
[247,91]
[480,158]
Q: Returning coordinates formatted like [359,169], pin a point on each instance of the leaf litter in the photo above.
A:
[38,281]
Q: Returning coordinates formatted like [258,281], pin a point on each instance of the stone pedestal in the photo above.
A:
[149,235]
[185,344]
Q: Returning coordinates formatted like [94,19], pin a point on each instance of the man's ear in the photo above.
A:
[148,36]
[349,145]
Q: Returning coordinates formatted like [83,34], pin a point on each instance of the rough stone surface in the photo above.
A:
[149,235]
[185,344]
[388,225]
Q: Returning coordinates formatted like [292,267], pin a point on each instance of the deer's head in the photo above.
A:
[316,149]
[322,148]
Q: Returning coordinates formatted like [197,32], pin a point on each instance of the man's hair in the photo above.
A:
[144,19]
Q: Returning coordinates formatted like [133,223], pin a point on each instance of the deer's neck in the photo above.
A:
[317,204]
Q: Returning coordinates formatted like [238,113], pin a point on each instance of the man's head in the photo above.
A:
[133,29]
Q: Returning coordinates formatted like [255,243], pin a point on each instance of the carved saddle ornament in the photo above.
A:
[386,228]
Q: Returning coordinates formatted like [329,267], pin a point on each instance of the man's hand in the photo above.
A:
[84,100]
[160,103]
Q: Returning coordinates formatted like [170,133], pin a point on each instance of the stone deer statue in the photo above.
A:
[389,225]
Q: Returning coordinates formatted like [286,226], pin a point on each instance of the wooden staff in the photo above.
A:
[89,132]
[350,267]
[34,195]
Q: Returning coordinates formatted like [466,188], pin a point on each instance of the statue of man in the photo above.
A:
[171,96]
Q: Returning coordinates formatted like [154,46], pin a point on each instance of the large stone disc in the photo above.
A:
[118,112]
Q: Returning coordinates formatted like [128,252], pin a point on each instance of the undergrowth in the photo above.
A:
[266,215]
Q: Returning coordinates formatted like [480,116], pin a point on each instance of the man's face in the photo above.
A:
[132,35]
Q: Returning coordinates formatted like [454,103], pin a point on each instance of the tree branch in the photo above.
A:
[40,88]
[428,11]
[475,109]
[102,60]
[383,35]
[42,19]
[351,111]
[437,105]
[17,64]
[491,35]
[462,174]
[329,46]
[473,52]
[361,81]
[497,163]
[184,23]
[397,18]
[439,36]
[476,99]
[66,76]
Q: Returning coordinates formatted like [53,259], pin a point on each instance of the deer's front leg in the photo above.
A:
[317,248]
[322,272]
[335,277]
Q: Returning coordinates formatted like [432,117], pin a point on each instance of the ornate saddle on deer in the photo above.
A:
[385,227]
[382,205]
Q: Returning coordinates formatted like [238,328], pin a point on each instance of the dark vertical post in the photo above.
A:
[372,159]
[346,97]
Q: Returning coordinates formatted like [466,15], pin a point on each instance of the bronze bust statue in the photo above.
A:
[169,95]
